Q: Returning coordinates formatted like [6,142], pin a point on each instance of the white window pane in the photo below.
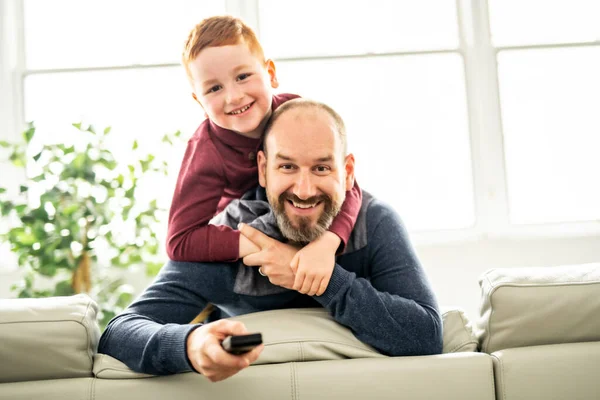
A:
[75,33]
[550,101]
[518,22]
[407,126]
[314,27]
[140,104]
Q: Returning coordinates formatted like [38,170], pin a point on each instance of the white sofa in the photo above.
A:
[537,337]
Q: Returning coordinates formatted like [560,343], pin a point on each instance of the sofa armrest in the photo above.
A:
[47,338]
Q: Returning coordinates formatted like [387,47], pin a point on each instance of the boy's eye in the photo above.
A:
[213,89]
[242,77]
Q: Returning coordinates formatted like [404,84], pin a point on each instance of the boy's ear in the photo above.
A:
[261,159]
[271,70]
[349,167]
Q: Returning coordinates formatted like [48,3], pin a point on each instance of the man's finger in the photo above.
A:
[254,259]
[226,327]
[256,236]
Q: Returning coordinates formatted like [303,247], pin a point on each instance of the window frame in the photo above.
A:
[483,106]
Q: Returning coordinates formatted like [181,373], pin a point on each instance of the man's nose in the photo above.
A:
[304,187]
[234,94]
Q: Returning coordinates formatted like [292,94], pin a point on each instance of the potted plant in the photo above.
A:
[76,219]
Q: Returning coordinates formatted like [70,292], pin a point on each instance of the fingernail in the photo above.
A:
[240,226]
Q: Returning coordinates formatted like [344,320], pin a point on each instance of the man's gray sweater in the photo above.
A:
[378,289]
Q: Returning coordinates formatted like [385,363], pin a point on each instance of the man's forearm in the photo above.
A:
[394,325]
[146,346]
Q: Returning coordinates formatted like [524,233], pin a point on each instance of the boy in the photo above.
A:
[233,84]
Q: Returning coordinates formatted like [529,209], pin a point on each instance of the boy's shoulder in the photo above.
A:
[280,98]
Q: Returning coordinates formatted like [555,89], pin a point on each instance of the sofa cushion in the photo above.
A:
[47,338]
[458,335]
[538,306]
[551,372]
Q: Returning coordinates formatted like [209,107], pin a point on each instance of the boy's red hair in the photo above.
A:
[219,31]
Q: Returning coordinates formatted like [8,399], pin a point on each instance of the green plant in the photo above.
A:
[76,218]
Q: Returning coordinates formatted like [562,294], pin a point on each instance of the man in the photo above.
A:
[377,288]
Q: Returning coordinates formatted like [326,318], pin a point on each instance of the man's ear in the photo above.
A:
[198,101]
[349,167]
[261,159]
[271,70]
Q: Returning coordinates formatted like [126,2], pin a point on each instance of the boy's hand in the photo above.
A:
[273,258]
[313,265]
[247,247]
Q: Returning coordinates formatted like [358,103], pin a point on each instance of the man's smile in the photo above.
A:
[303,208]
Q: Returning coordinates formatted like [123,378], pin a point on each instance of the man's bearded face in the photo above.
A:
[299,228]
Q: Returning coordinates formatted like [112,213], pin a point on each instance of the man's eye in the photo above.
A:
[286,167]
[214,89]
[322,168]
[242,77]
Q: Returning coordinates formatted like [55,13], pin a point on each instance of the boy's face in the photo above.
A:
[305,173]
[234,88]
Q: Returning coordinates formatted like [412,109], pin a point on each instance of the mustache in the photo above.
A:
[311,200]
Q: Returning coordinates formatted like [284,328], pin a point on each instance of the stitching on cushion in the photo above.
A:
[87,331]
[292,341]
[93,389]
[503,377]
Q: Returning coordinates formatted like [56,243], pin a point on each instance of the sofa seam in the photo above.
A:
[93,389]
[299,341]
[486,342]
[501,375]
[293,380]
[87,331]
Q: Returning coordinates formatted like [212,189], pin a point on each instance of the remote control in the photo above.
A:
[240,344]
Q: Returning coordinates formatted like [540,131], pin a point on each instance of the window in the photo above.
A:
[548,63]
[393,71]
[471,116]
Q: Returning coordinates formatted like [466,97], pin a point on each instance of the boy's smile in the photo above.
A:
[234,87]
[241,110]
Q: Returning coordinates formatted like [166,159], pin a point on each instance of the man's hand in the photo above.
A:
[273,258]
[209,358]
[313,265]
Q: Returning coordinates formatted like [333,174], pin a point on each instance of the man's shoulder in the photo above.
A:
[372,213]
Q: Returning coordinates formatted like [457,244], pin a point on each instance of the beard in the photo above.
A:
[304,232]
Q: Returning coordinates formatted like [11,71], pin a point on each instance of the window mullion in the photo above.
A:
[487,144]
[246,10]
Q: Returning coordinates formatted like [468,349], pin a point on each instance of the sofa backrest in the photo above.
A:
[48,338]
[539,306]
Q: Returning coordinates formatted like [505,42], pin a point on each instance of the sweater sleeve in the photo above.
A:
[395,310]
[198,190]
[150,336]
[343,223]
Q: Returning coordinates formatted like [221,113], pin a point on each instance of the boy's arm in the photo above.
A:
[199,189]
[343,223]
